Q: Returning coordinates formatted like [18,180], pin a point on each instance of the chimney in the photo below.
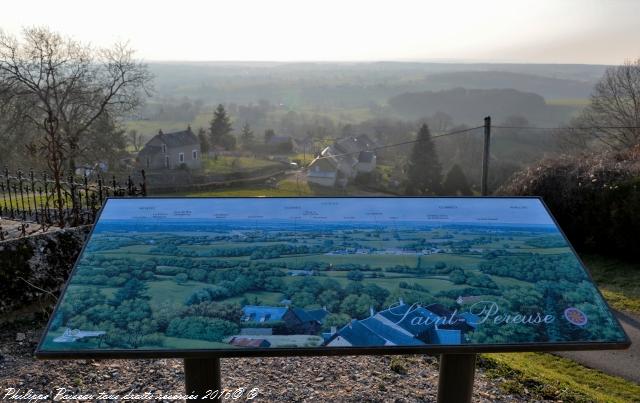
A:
[334,329]
[371,311]
[189,128]
[160,131]
[401,301]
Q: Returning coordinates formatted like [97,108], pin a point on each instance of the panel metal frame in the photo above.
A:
[434,349]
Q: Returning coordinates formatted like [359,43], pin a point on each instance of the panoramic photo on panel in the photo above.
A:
[208,273]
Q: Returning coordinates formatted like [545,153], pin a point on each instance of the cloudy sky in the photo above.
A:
[542,31]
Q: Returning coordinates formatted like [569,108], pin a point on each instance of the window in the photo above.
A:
[181,157]
[194,154]
[164,149]
[166,161]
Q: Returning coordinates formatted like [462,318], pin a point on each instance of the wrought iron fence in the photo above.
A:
[32,198]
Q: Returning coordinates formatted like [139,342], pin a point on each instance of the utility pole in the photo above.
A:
[485,154]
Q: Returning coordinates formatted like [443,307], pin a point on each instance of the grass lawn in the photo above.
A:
[284,188]
[168,290]
[619,281]
[27,200]
[545,376]
[227,165]
[264,297]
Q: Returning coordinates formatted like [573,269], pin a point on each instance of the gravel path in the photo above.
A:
[314,379]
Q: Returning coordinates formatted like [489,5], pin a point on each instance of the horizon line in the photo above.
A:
[373,61]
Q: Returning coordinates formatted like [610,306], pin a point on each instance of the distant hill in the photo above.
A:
[360,84]
[471,105]
[548,87]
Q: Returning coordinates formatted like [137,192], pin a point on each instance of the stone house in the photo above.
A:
[171,151]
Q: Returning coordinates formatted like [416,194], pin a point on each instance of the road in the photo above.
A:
[623,363]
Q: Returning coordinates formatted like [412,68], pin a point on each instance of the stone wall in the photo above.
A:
[34,266]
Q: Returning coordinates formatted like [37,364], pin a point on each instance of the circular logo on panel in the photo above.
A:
[575,316]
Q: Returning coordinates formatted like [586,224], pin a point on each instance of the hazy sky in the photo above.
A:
[453,210]
[554,31]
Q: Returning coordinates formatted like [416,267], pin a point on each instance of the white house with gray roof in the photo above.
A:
[343,161]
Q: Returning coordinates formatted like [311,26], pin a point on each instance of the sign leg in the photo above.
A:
[456,377]
[202,377]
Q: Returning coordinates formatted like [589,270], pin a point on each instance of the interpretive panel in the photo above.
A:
[254,276]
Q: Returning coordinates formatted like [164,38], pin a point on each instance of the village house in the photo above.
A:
[342,161]
[323,171]
[171,151]
[291,320]
[405,325]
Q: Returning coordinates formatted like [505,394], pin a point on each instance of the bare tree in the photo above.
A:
[134,139]
[613,115]
[64,87]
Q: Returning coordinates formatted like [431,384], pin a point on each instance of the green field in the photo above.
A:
[164,288]
[618,280]
[227,165]
[576,102]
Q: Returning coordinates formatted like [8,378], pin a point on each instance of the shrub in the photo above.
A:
[168,270]
[196,327]
[595,198]
[181,278]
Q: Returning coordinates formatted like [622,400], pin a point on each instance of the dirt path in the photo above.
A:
[623,363]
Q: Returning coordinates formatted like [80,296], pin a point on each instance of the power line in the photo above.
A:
[566,127]
[474,128]
[403,143]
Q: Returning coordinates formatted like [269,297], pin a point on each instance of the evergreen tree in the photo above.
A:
[204,141]
[456,182]
[247,136]
[268,135]
[424,172]
[228,141]
[220,127]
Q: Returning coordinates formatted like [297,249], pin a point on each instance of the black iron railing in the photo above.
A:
[32,198]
